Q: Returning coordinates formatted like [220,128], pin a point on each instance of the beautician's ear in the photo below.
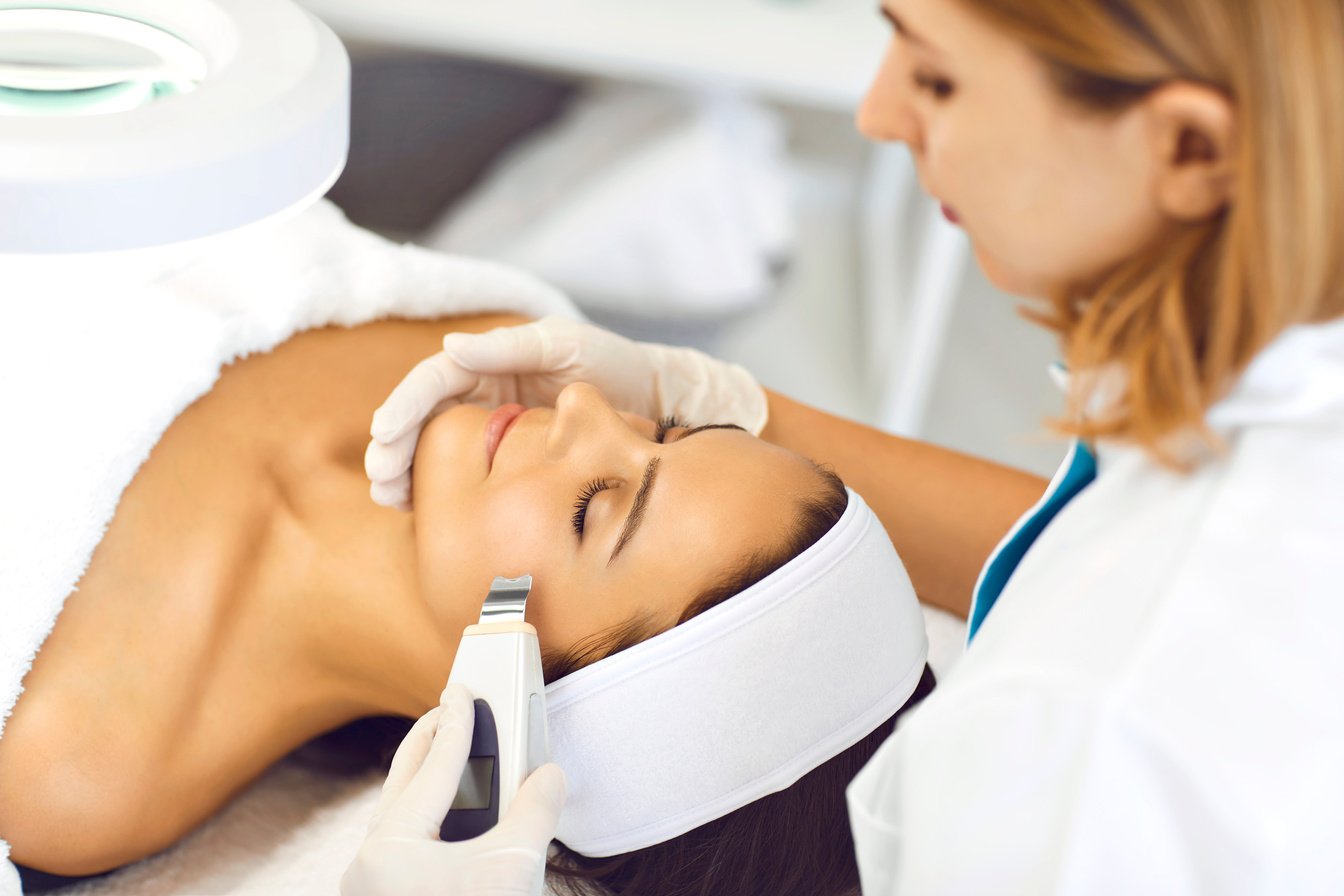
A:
[1193,134]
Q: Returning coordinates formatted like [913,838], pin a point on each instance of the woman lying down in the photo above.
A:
[248,597]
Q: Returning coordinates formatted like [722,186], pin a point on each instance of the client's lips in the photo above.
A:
[950,214]
[496,426]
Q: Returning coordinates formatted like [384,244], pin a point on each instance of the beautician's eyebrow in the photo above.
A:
[903,30]
[641,502]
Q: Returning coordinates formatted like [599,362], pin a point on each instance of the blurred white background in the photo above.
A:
[689,171]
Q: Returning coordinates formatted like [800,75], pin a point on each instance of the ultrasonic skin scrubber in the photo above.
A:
[499,661]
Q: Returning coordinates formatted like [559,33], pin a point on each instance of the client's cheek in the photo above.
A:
[489,544]
[562,619]
[522,518]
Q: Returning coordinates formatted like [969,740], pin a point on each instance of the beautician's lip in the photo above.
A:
[950,214]
[496,425]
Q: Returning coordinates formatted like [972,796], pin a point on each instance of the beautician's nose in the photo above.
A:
[887,112]
[586,423]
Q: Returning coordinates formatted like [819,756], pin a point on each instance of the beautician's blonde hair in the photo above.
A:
[1184,318]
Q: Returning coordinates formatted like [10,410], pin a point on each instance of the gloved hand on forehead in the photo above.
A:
[530,365]
[403,856]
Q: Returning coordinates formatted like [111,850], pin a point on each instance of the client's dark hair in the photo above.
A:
[795,842]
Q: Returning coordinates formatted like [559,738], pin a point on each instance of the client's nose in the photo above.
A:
[585,422]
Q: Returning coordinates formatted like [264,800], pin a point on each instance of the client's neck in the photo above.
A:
[364,640]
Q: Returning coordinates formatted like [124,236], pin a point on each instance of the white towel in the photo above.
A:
[99,356]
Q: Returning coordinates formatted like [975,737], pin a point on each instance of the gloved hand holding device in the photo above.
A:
[530,364]
[403,856]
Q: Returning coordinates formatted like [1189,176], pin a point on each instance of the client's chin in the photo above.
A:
[450,454]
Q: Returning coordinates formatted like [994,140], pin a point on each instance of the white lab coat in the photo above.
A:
[1156,702]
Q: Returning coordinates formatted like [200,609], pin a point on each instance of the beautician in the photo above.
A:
[1150,697]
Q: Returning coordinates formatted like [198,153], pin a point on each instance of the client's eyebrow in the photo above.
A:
[641,502]
[690,432]
[637,508]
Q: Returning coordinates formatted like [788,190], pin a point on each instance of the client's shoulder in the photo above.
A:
[71,806]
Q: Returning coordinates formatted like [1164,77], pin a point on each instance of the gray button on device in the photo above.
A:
[537,748]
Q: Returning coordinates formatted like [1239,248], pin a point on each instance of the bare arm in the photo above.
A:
[944,511]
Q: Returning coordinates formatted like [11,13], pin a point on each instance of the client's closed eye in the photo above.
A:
[665,424]
[581,505]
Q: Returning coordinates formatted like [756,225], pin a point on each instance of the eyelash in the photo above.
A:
[939,88]
[593,488]
[581,505]
[667,423]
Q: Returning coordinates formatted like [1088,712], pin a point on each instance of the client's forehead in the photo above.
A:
[729,469]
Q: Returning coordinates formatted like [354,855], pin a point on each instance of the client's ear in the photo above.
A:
[1192,134]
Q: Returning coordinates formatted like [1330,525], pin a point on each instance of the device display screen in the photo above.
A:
[474,790]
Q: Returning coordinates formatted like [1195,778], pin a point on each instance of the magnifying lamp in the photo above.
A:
[133,123]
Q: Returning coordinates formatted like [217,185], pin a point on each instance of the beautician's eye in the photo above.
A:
[581,505]
[665,424]
[940,88]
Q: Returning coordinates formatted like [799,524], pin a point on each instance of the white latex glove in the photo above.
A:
[403,856]
[530,364]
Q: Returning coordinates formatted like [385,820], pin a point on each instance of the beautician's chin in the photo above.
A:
[1015,283]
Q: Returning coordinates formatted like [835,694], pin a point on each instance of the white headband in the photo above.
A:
[742,700]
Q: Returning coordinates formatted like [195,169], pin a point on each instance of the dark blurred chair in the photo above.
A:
[424,128]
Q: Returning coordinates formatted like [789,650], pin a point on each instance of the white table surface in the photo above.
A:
[818,53]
